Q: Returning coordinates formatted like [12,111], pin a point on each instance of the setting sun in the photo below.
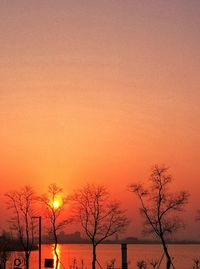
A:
[56,203]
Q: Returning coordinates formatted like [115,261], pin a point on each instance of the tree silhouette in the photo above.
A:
[54,204]
[5,241]
[100,218]
[21,203]
[158,207]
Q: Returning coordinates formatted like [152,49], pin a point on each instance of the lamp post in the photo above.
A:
[40,238]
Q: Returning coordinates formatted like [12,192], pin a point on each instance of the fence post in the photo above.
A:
[124,256]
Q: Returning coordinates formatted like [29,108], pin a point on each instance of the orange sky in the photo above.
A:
[99,91]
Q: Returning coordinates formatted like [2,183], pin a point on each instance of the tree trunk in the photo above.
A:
[55,250]
[27,260]
[168,262]
[56,254]
[55,244]
[94,257]
[57,258]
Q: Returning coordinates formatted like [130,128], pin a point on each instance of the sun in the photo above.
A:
[56,202]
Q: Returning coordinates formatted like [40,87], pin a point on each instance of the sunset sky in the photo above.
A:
[100,91]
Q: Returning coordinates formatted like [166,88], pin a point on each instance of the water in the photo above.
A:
[82,254]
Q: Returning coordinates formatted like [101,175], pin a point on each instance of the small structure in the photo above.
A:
[17,263]
[49,263]
[124,256]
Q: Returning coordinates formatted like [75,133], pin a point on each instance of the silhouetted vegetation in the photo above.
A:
[21,203]
[196,263]
[5,244]
[141,264]
[100,217]
[77,265]
[53,208]
[158,206]
[154,263]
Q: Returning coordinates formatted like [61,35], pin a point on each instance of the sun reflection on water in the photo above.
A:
[54,256]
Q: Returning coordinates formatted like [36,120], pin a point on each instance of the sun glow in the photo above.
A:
[56,202]
[54,256]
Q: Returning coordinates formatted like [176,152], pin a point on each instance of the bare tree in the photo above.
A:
[21,203]
[100,218]
[53,206]
[159,205]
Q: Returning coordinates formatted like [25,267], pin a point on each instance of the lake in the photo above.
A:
[75,254]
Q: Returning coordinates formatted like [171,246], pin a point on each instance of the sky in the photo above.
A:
[100,91]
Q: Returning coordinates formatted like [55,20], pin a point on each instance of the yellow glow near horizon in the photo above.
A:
[56,202]
[54,256]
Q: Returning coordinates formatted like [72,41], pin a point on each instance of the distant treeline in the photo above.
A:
[75,238]
[8,243]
